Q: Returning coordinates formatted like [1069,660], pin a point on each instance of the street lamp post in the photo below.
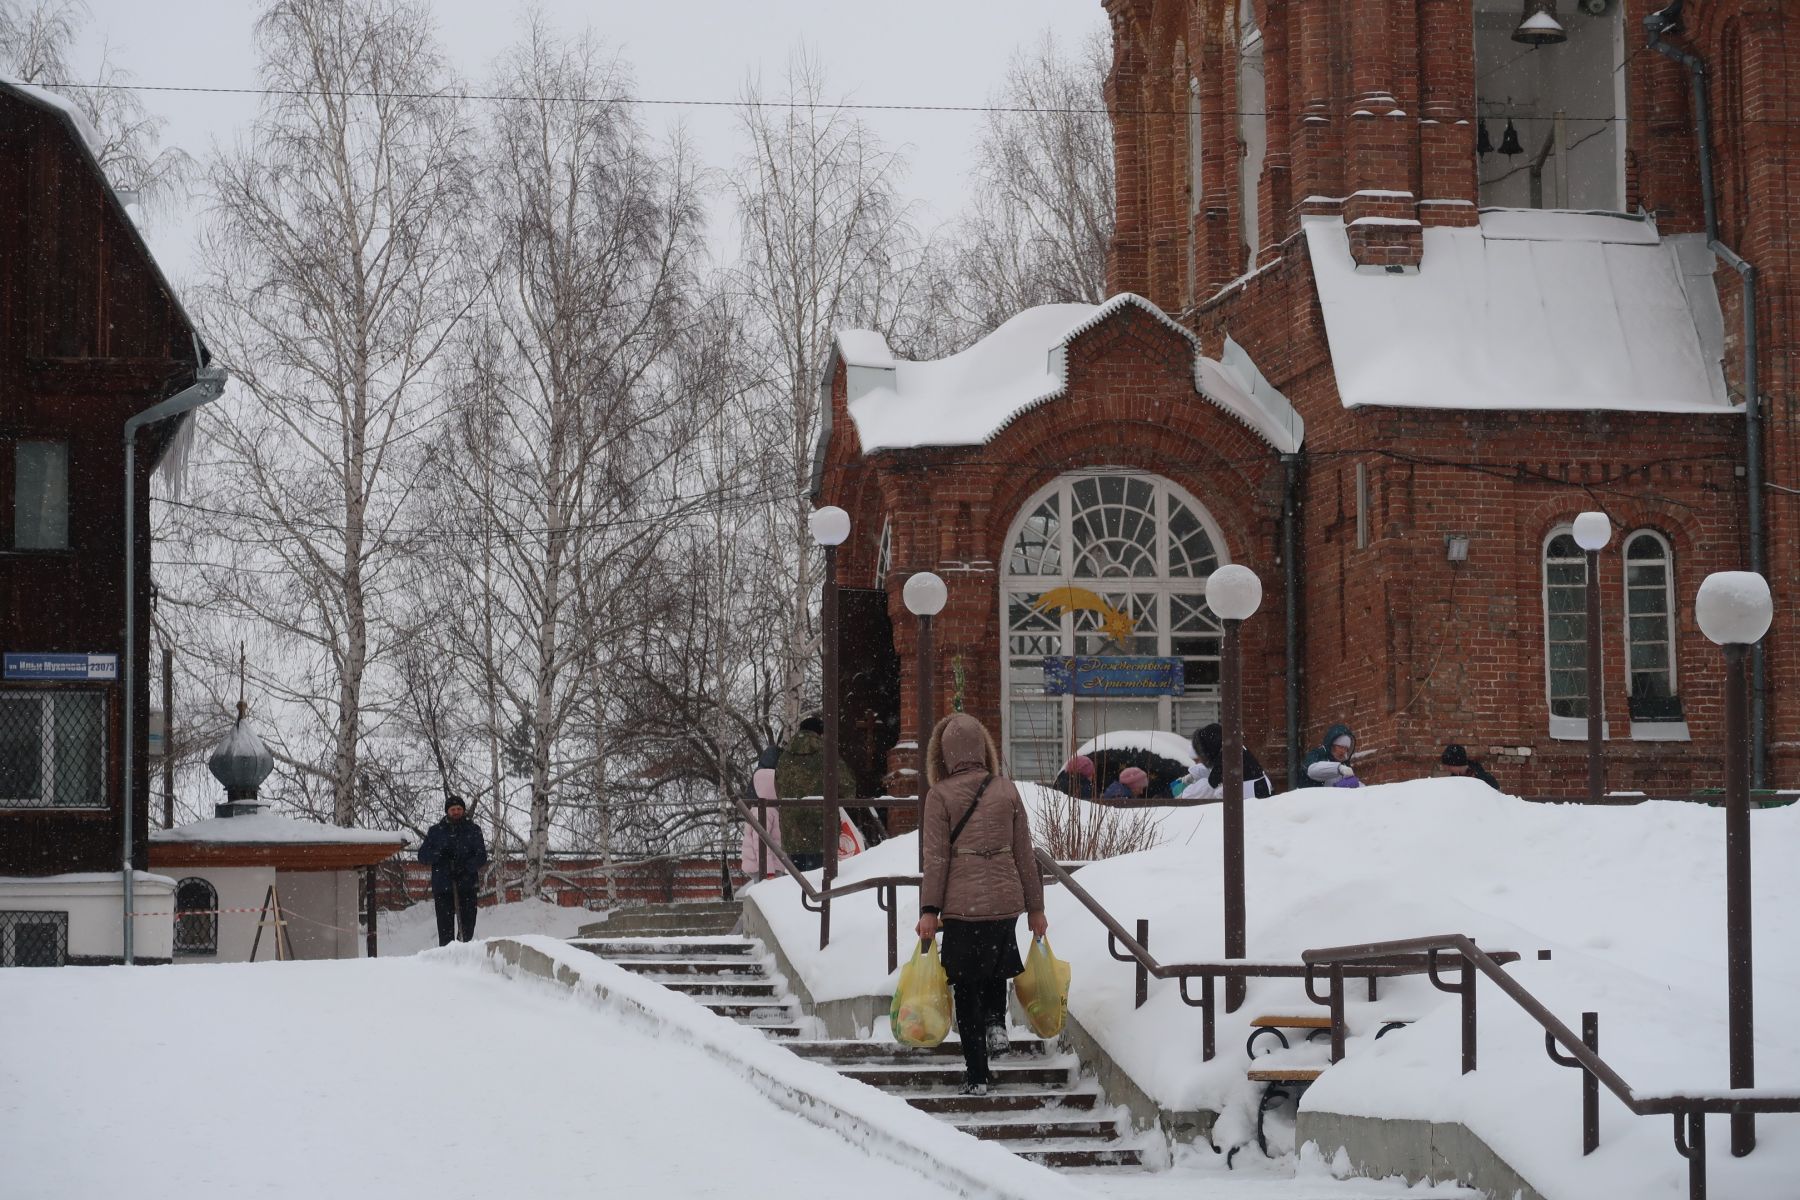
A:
[830,526]
[1233,593]
[1592,531]
[1734,610]
[925,595]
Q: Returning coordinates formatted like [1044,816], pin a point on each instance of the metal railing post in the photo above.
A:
[1590,1086]
[1143,972]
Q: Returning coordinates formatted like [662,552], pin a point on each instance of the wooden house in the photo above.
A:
[91,336]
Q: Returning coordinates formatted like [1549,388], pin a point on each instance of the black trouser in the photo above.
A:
[980,1004]
[454,903]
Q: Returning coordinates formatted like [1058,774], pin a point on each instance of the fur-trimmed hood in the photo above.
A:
[963,737]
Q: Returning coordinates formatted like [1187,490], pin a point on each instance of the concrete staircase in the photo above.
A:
[1040,1107]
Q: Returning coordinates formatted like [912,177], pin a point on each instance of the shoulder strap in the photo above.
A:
[970,811]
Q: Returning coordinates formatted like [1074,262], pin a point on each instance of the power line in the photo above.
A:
[794,105]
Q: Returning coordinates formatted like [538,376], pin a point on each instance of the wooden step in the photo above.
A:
[1284,1074]
[774,1010]
[1277,1021]
[712,985]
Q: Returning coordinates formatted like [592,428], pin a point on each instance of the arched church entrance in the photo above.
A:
[1106,562]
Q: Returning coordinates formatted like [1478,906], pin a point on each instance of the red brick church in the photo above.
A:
[1403,286]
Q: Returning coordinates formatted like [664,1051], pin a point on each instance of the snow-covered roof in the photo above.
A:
[1529,310]
[1157,741]
[60,103]
[267,829]
[969,397]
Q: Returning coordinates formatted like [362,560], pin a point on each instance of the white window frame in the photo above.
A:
[1253,130]
[1652,731]
[884,553]
[47,731]
[1161,585]
[1571,729]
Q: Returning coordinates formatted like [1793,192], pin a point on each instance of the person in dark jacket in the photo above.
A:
[801,772]
[455,851]
[1328,763]
[1207,780]
[1456,760]
[1078,778]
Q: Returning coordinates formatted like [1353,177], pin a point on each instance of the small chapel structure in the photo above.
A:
[1402,286]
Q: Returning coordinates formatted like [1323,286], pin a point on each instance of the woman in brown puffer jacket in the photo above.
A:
[977,887]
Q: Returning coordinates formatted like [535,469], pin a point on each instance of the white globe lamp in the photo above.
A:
[1593,530]
[925,594]
[1233,592]
[830,525]
[1734,607]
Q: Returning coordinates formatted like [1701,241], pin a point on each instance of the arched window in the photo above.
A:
[1565,633]
[1106,562]
[196,917]
[1650,628]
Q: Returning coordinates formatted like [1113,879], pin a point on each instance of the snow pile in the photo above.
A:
[230,1081]
[883,1126]
[1629,899]
[969,397]
[413,929]
[1531,310]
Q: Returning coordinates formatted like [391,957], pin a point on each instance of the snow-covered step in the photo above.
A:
[1034,1126]
[1075,1099]
[736,987]
[1097,1153]
[665,966]
[915,1077]
[868,1049]
[678,946]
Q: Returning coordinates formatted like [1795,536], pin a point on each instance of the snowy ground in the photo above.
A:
[411,930]
[406,1077]
[424,1076]
[1630,900]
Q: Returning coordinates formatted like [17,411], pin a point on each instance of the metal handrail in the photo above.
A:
[1689,1109]
[1136,950]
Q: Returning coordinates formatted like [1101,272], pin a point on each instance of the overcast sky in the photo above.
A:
[876,51]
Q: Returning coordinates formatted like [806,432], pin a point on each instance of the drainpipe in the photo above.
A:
[208,383]
[1668,20]
[1290,518]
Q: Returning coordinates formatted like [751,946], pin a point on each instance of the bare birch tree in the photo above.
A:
[333,277]
[1041,213]
[577,462]
[37,41]
[826,244]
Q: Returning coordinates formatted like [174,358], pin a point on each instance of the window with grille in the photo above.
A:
[1565,626]
[196,917]
[1650,628]
[1106,563]
[34,939]
[52,749]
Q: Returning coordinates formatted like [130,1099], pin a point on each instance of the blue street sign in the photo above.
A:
[1122,675]
[80,667]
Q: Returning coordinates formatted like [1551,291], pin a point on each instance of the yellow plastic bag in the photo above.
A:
[920,1014]
[1043,989]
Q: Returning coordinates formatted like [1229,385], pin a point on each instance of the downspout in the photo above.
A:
[1668,20]
[1290,519]
[208,383]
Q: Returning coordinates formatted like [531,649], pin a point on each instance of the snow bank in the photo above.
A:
[881,1125]
[267,1080]
[1530,310]
[1158,741]
[1629,899]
